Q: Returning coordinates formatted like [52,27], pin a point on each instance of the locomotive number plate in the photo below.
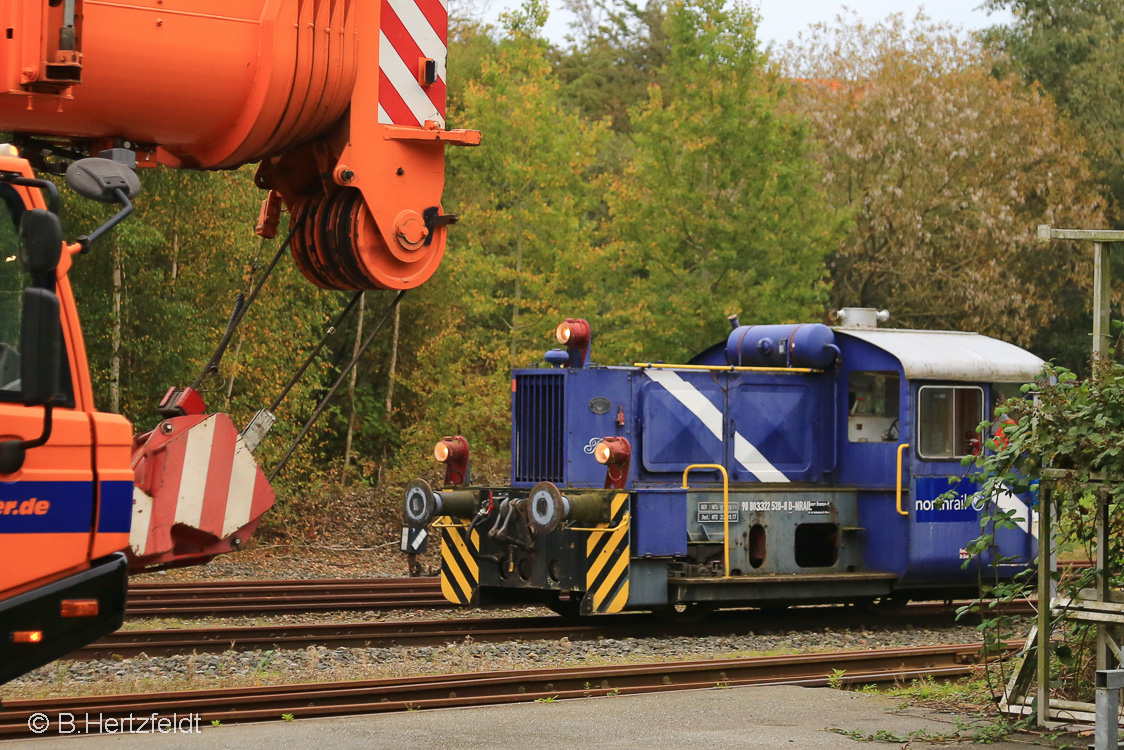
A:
[712,513]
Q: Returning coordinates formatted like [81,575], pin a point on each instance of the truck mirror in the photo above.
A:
[100,179]
[40,344]
[40,241]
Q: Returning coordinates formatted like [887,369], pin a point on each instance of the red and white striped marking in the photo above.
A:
[201,476]
[412,30]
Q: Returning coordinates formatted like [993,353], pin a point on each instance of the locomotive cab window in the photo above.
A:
[947,420]
[873,400]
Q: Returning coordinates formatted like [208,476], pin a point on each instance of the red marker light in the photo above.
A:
[27,636]
[79,608]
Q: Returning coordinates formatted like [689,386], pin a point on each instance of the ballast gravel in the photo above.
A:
[316,664]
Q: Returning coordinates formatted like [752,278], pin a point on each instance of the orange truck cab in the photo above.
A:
[66,485]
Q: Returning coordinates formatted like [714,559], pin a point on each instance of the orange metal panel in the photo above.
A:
[50,535]
[113,442]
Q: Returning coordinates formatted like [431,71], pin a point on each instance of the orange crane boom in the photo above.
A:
[342,102]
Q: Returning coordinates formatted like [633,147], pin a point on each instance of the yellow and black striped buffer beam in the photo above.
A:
[460,570]
[607,557]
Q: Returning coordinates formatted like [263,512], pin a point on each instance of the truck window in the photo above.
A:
[947,420]
[872,407]
[12,280]
[12,283]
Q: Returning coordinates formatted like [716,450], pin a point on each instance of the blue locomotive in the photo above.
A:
[789,464]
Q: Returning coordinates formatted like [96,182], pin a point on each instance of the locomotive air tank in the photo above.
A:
[342,102]
[809,345]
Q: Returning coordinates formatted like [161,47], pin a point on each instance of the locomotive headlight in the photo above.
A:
[450,449]
[572,332]
[613,451]
[453,452]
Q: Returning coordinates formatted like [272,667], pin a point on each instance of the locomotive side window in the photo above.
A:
[872,407]
[947,420]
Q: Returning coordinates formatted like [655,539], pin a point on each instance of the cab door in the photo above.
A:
[943,524]
[47,506]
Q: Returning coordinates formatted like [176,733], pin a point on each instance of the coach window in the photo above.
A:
[947,420]
[872,407]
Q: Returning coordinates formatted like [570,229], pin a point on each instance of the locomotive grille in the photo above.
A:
[539,427]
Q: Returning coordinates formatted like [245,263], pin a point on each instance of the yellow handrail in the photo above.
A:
[725,368]
[725,508]
[901,449]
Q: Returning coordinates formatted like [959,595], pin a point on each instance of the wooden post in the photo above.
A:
[1102,301]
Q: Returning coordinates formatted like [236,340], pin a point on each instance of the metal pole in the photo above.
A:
[1106,734]
[1044,601]
[1103,654]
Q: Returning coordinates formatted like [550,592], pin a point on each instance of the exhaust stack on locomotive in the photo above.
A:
[787,464]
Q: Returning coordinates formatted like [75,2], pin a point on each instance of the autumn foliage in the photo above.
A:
[661,173]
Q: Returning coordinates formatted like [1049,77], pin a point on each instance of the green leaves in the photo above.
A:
[718,209]
[947,169]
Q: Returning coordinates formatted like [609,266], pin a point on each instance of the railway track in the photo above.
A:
[251,598]
[266,703]
[232,598]
[166,642]
[297,596]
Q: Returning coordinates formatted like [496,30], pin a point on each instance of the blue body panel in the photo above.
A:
[659,529]
[116,508]
[47,507]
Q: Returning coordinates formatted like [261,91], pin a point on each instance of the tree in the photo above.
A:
[719,209]
[948,170]
[619,50]
[520,260]
[1073,48]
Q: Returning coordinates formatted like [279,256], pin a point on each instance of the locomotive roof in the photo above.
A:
[952,355]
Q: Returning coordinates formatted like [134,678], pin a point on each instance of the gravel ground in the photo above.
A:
[314,664]
[348,558]
[300,562]
[340,616]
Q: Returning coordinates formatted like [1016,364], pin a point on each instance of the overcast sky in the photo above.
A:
[782,20]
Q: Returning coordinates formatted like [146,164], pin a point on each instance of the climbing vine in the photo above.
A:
[1076,429]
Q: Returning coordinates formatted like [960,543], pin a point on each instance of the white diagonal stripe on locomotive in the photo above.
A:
[706,412]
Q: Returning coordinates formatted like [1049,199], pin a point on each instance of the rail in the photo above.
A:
[725,508]
[384,634]
[268,703]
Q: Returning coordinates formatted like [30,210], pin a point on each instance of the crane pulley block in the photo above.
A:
[341,102]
